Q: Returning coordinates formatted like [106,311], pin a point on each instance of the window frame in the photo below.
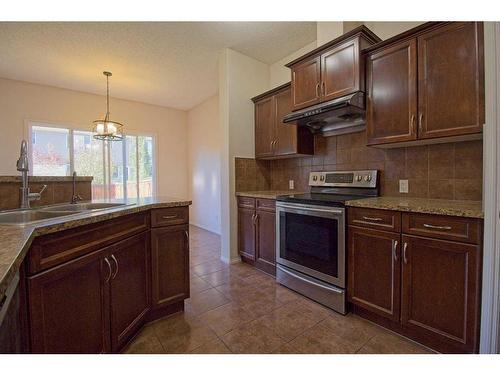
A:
[28,133]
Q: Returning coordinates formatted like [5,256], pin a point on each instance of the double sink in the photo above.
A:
[30,216]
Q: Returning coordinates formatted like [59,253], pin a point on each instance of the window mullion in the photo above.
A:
[71,152]
[137,164]
[124,166]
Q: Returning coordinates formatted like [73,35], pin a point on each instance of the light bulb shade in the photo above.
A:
[107,130]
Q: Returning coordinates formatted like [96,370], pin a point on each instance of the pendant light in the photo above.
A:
[106,129]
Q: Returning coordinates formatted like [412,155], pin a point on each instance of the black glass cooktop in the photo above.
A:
[334,200]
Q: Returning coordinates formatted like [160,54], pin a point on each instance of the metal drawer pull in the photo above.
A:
[169,217]
[437,227]
[394,250]
[109,268]
[372,218]
[116,262]
[186,233]
[405,259]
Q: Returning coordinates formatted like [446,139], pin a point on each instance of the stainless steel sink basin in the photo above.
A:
[21,217]
[81,207]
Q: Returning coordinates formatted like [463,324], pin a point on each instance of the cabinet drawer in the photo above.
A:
[162,217]
[246,202]
[266,204]
[56,248]
[372,218]
[453,228]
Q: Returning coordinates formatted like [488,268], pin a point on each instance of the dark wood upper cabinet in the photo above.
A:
[170,265]
[264,127]
[306,83]
[273,138]
[451,80]
[441,290]
[374,271]
[69,307]
[391,80]
[332,70]
[445,99]
[130,281]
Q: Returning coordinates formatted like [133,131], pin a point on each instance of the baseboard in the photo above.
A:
[230,261]
[204,227]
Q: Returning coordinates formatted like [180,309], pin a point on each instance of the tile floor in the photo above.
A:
[238,309]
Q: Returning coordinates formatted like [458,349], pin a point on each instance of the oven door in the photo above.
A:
[311,240]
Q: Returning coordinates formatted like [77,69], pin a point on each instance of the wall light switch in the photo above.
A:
[403,186]
[291,184]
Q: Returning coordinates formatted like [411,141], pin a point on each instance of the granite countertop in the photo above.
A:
[266,194]
[472,209]
[16,240]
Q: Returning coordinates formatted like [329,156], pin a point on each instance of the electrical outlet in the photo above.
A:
[403,186]
[291,184]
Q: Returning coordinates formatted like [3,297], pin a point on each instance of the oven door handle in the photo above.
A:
[310,281]
[305,210]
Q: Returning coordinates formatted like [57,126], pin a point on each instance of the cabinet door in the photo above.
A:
[391,112]
[306,80]
[170,265]
[441,291]
[451,80]
[340,70]
[69,307]
[286,134]
[246,232]
[374,271]
[264,127]
[266,240]
[130,288]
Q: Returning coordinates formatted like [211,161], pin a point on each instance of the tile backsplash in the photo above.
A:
[441,171]
[59,190]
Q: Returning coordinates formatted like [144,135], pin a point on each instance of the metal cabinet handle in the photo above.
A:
[169,216]
[254,219]
[323,88]
[420,119]
[405,259]
[109,269]
[116,263]
[317,90]
[394,250]
[372,218]
[438,227]
[186,233]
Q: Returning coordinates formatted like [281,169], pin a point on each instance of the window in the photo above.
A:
[120,169]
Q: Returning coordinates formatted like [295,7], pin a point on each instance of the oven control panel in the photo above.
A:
[366,178]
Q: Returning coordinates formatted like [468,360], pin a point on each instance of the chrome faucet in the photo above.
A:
[23,167]
[75,197]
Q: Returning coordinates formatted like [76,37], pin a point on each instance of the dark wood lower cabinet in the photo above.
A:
[424,287]
[374,271]
[130,288]
[257,233]
[170,265]
[69,307]
[440,296]
[96,302]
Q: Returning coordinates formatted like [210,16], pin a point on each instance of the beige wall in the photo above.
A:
[204,164]
[21,101]
[326,31]
[385,30]
[240,78]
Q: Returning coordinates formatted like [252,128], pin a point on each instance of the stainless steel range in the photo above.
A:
[310,234]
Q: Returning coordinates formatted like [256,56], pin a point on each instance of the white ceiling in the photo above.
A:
[173,64]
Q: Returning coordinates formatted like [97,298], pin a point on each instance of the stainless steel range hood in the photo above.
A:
[338,116]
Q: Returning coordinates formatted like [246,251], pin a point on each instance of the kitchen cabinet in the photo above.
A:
[273,138]
[256,232]
[91,288]
[130,281]
[440,296]
[69,306]
[444,100]
[170,268]
[332,70]
[421,280]
[374,271]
